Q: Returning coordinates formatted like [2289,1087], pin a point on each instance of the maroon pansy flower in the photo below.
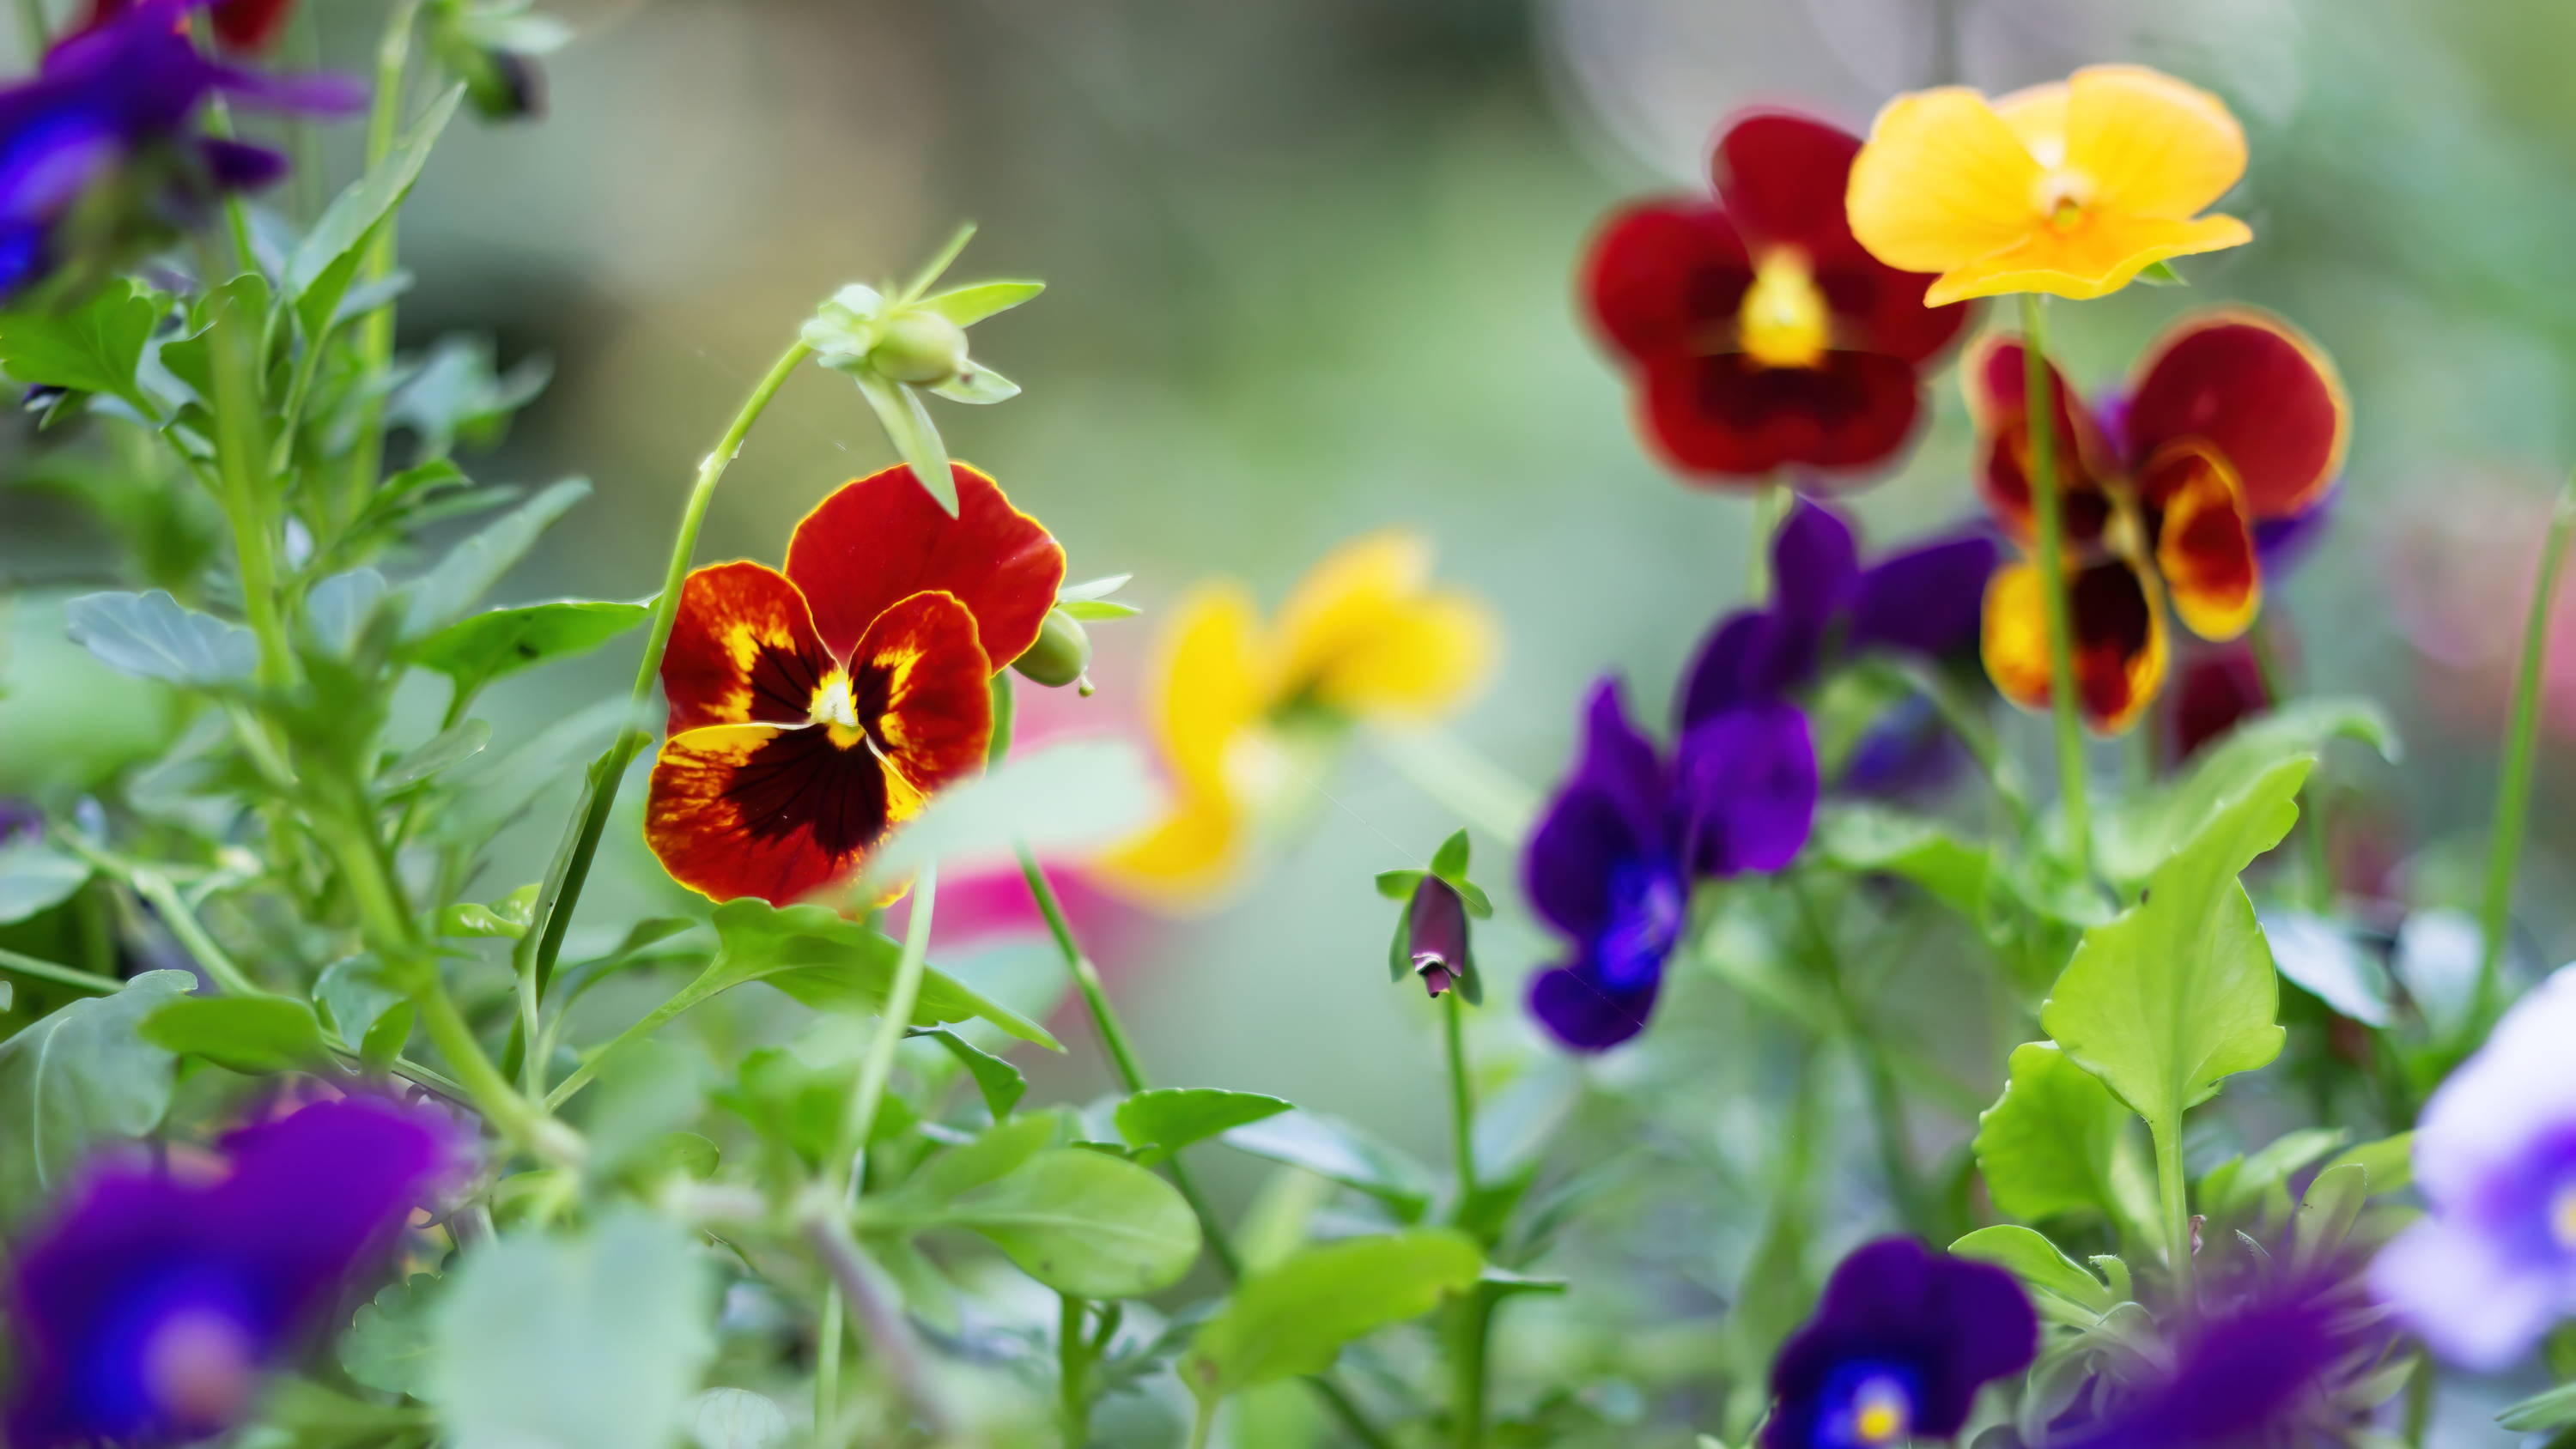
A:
[1758,333]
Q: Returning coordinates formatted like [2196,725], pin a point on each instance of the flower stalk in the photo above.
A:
[2039,411]
[2513,780]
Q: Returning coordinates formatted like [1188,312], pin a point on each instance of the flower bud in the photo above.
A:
[1061,653]
[504,85]
[919,347]
[1435,934]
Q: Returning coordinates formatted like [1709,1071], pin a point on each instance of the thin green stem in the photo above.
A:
[2177,1212]
[239,453]
[376,329]
[17,964]
[861,1116]
[1770,504]
[570,869]
[1462,1098]
[2513,783]
[36,28]
[2039,407]
[1073,1369]
[863,1285]
[2419,1401]
[1471,1316]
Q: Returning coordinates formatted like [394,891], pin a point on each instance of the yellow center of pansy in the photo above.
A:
[836,708]
[2562,1216]
[1881,1413]
[1783,321]
[2062,195]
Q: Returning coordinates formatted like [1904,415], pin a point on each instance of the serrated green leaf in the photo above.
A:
[1295,1318]
[78,1080]
[253,1035]
[2040,1264]
[2178,992]
[93,348]
[1162,1120]
[2133,839]
[2045,1147]
[153,637]
[387,1346]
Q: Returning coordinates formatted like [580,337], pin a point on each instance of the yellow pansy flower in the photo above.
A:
[1235,704]
[2072,187]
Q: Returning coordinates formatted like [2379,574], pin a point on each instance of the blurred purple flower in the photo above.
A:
[1613,860]
[2492,1265]
[147,1308]
[2249,1375]
[100,152]
[1899,1345]
[20,821]
[1435,932]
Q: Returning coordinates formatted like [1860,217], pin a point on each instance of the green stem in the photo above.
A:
[71,976]
[878,1069]
[2513,784]
[571,866]
[2039,408]
[376,329]
[1470,1317]
[2419,1402]
[1073,1401]
[1203,1420]
[1771,503]
[238,452]
[2177,1212]
[38,31]
[862,1283]
[1462,1099]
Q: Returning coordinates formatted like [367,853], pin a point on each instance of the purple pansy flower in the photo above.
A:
[147,1309]
[1612,862]
[1899,1345]
[2266,1370]
[100,150]
[2492,1265]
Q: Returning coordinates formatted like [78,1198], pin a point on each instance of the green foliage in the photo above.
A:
[326,260]
[78,1080]
[1162,1121]
[93,348]
[470,569]
[1295,1318]
[254,1035]
[1333,1149]
[153,637]
[2051,1143]
[2133,840]
[480,648]
[2057,1282]
[1083,1223]
[387,1347]
[824,960]
[36,877]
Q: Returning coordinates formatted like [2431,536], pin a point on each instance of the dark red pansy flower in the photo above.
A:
[239,24]
[814,710]
[1758,333]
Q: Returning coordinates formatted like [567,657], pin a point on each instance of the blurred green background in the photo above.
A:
[1308,267]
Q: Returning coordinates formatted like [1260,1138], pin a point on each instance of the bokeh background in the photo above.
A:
[1309,272]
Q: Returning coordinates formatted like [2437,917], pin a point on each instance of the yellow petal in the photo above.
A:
[2150,145]
[2015,636]
[1188,857]
[2037,114]
[2095,259]
[1941,182]
[1366,636]
[1207,686]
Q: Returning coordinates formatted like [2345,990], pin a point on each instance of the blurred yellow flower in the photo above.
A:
[2072,188]
[1365,636]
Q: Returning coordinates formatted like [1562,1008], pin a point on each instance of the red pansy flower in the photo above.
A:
[1759,333]
[2235,419]
[812,711]
[239,24]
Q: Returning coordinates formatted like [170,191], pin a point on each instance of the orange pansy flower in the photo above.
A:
[814,710]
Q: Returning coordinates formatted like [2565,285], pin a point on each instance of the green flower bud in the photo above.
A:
[1062,652]
[919,347]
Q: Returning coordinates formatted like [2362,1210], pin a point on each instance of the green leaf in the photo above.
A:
[453,746]
[998,1081]
[2262,1172]
[1062,799]
[386,1038]
[1160,1121]
[94,348]
[35,878]
[573,1342]
[1449,862]
[2178,992]
[324,262]
[2046,1146]
[2390,1161]
[1295,1318]
[77,1080]
[2132,840]
[2040,1266]
[977,385]
[1871,840]
[1083,1223]
[2161,274]
[2326,1213]
[737,1419]
[480,648]
[976,301]
[387,1347]
[253,1035]
[969,1165]
[1398,885]
[1092,589]
[1096,611]
[353,994]
[338,610]
[1332,1148]
[509,916]
[153,637]
[2320,956]
[2549,1409]
[821,958]
[908,426]
[474,566]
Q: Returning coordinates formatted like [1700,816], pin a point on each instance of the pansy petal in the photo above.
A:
[1782,177]
[1814,561]
[1994,378]
[2463,1292]
[2256,390]
[1720,675]
[1579,844]
[2205,544]
[2120,646]
[1729,417]
[1666,277]
[1187,857]
[1941,182]
[880,538]
[756,810]
[920,681]
[1877,308]
[1366,634]
[1748,788]
[1586,1014]
[2150,144]
[1926,600]
[743,650]
[2094,259]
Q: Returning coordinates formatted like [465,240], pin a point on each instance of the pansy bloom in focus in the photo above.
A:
[1901,1341]
[101,154]
[2491,1267]
[1760,333]
[1613,860]
[2073,187]
[1366,636]
[2234,426]
[813,710]
[147,1308]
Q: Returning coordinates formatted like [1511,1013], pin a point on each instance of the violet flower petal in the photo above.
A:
[1928,601]
[1749,788]
[1586,1015]
[1814,563]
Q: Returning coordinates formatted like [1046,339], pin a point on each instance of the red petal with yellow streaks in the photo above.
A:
[2204,542]
[881,538]
[2120,646]
[755,810]
[2255,389]
[1995,382]
[923,699]
[743,650]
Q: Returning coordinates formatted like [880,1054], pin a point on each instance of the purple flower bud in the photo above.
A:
[1435,934]
[149,1306]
